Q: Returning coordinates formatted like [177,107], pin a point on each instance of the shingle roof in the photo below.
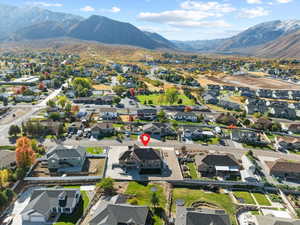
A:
[145,153]
[66,152]
[284,166]
[42,200]
[190,216]
[217,160]
[114,214]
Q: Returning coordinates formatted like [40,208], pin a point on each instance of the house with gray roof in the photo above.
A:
[117,214]
[63,159]
[48,203]
[200,216]
[270,220]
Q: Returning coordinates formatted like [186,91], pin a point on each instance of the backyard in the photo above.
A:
[142,196]
[77,214]
[94,150]
[244,197]
[193,171]
[158,99]
[190,196]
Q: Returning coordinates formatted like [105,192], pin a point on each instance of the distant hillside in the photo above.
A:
[160,39]
[105,30]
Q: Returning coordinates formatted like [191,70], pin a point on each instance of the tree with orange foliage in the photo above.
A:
[25,155]
[75,109]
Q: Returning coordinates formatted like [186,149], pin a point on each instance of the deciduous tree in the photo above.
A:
[25,155]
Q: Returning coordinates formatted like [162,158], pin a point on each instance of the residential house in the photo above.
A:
[295,128]
[100,130]
[281,94]
[229,105]
[249,94]
[210,99]
[271,220]
[264,93]
[147,114]
[63,159]
[283,112]
[75,127]
[256,106]
[199,216]
[228,88]
[108,114]
[213,87]
[295,95]
[25,98]
[117,214]
[284,169]
[47,203]
[247,137]
[224,165]
[196,134]
[185,116]
[158,130]
[144,160]
[287,143]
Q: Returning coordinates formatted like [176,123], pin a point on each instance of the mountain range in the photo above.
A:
[270,39]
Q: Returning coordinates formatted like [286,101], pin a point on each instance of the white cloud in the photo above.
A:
[44,4]
[197,24]
[115,9]
[284,1]
[87,9]
[191,14]
[254,1]
[207,6]
[253,13]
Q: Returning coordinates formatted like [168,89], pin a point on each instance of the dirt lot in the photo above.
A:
[254,82]
[9,118]
[92,167]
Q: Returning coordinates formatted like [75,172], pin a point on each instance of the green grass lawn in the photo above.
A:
[77,214]
[267,147]
[193,171]
[155,100]
[246,196]
[261,199]
[192,195]
[94,150]
[143,194]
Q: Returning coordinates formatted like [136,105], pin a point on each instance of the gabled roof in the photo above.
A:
[115,214]
[145,153]
[284,166]
[66,152]
[44,199]
[217,160]
[190,216]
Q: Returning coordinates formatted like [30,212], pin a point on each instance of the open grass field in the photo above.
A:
[155,98]
[261,199]
[190,196]
[244,196]
[143,194]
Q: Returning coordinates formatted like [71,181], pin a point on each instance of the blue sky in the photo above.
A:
[179,19]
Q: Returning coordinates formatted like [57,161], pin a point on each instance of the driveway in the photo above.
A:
[20,204]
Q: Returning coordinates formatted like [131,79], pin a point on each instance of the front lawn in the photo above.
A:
[155,100]
[94,150]
[193,170]
[244,197]
[142,195]
[190,196]
[77,214]
[266,147]
[261,199]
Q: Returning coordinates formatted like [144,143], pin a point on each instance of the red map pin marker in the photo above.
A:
[145,138]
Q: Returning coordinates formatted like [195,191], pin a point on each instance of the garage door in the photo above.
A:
[37,219]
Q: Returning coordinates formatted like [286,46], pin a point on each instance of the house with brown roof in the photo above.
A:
[145,160]
[295,128]
[287,143]
[224,165]
[284,169]
[100,130]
